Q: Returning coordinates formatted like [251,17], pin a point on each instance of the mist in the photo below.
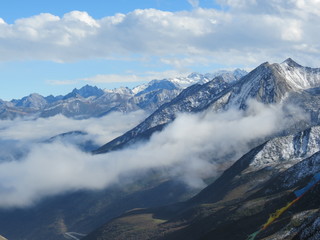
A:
[190,149]
[100,130]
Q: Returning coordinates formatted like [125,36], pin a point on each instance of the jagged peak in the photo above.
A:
[119,90]
[35,95]
[264,64]
[86,91]
[195,75]
[291,62]
[87,86]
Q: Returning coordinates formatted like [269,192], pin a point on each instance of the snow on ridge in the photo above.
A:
[139,88]
[193,78]
[286,151]
[120,90]
[298,76]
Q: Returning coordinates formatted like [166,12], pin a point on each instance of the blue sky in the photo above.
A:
[96,8]
[51,47]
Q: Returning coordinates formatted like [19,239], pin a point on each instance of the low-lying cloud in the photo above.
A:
[100,130]
[191,148]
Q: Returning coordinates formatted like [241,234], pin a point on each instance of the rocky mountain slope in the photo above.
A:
[268,83]
[239,202]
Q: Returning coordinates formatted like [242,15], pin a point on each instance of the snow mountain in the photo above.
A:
[33,101]
[228,76]
[90,101]
[272,83]
[85,92]
[267,84]
[193,99]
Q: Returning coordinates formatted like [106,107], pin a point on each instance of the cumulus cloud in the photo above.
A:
[61,82]
[242,32]
[146,77]
[192,148]
[128,77]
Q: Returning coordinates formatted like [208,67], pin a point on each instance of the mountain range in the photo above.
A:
[278,175]
[90,101]
[268,83]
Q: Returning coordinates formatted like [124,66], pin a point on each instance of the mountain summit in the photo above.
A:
[86,91]
[300,77]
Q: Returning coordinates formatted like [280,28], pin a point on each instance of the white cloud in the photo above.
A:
[194,3]
[124,78]
[293,32]
[61,82]
[146,77]
[244,32]
[112,78]
[191,148]
[101,129]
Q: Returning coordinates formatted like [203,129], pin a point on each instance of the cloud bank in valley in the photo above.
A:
[247,31]
[190,149]
[19,135]
[100,130]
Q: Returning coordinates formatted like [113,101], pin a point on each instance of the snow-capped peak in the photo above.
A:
[291,62]
[300,77]
[193,78]
[34,100]
[120,90]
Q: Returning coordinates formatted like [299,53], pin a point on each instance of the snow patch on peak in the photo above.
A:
[193,78]
[120,90]
[34,100]
[139,88]
[291,62]
[300,77]
[196,78]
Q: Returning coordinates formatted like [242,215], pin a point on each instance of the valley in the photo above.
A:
[212,160]
[160,120]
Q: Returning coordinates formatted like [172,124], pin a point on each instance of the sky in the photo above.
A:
[51,47]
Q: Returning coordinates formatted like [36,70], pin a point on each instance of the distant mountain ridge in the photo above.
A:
[85,92]
[90,101]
